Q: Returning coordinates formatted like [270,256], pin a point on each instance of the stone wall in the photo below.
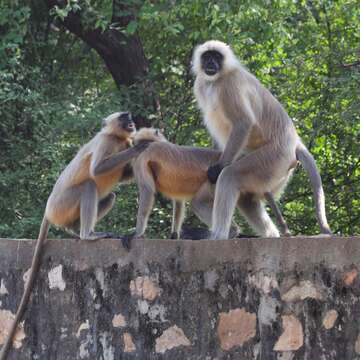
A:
[288,299]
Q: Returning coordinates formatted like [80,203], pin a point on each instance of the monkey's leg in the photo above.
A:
[254,173]
[202,203]
[279,217]
[146,186]
[73,231]
[105,205]
[89,212]
[255,213]
[178,218]
[202,206]
[146,202]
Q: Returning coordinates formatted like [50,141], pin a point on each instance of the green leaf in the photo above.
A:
[131,27]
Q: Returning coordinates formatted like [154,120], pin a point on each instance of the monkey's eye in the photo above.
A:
[212,55]
[218,57]
[156,132]
[126,116]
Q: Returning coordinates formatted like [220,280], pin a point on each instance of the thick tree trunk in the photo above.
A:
[123,54]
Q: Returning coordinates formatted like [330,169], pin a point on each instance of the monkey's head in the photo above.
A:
[148,134]
[213,59]
[119,124]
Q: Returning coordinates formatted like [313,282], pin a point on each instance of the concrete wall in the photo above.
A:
[296,298]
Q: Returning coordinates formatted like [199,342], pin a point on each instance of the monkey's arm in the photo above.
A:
[236,142]
[100,166]
[239,110]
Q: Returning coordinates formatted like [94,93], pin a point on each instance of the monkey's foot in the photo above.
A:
[72,233]
[127,239]
[99,235]
[234,232]
[214,172]
[245,236]
[238,236]
[326,232]
[174,235]
[321,235]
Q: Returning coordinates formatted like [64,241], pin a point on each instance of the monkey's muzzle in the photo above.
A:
[130,126]
[210,71]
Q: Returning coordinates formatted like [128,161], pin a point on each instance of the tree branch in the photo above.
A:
[355,63]
[123,54]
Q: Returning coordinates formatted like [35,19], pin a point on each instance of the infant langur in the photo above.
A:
[82,194]
[179,173]
[259,142]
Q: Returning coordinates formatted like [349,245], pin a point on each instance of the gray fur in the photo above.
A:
[308,162]
[178,217]
[258,139]
[274,207]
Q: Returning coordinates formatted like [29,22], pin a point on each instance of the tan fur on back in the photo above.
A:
[179,171]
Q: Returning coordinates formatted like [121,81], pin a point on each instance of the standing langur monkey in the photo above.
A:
[82,194]
[246,120]
[179,173]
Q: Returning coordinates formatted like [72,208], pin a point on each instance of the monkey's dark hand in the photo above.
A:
[214,172]
[141,146]
[126,241]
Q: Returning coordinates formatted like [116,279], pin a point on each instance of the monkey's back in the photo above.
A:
[178,171]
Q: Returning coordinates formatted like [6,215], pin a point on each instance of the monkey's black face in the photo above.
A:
[211,62]
[126,122]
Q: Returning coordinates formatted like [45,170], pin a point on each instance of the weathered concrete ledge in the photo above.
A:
[288,298]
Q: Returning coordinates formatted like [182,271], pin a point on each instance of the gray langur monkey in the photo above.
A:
[180,174]
[82,194]
[259,141]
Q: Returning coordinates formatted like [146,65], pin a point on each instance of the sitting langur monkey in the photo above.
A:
[82,194]
[259,141]
[179,173]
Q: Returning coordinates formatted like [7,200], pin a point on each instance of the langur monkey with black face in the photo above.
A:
[259,141]
[82,194]
[179,173]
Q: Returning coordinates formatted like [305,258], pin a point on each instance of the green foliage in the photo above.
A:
[296,49]
[63,12]
[54,91]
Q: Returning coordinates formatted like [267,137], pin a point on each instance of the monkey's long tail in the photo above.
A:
[308,162]
[29,285]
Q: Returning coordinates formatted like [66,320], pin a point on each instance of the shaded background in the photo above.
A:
[64,65]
